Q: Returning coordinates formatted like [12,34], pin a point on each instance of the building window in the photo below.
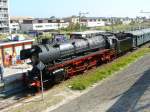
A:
[40,21]
[39,26]
[27,21]
[48,25]
[49,21]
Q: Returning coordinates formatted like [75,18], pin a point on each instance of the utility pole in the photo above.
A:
[112,24]
[59,21]
[80,16]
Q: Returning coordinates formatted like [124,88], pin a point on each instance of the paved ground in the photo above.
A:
[129,91]
[16,69]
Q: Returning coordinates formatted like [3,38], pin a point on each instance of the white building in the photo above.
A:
[16,21]
[93,22]
[4,16]
[14,27]
[72,19]
[42,25]
[126,21]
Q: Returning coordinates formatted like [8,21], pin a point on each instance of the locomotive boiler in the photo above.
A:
[57,52]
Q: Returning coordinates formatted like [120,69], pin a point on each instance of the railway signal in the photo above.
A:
[41,67]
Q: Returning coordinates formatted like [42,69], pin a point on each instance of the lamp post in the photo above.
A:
[80,15]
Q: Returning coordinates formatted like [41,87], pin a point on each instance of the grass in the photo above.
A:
[86,80]
[120,27]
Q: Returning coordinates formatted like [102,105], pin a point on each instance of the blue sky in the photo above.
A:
[62,8]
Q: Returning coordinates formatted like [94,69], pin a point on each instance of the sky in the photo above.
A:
[63,8]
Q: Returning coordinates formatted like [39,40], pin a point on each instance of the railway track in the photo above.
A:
[12,100]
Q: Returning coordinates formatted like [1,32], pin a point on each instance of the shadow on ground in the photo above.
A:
[128,100]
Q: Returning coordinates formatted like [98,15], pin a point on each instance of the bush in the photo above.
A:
[75,27]
[2,36]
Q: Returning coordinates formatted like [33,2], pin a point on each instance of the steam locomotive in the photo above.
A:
[84,50]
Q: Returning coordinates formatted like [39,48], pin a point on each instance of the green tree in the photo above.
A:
[75,27]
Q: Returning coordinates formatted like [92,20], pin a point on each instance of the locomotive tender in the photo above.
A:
[81,52]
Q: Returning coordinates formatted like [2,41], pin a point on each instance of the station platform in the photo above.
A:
[14,72]
[13,79]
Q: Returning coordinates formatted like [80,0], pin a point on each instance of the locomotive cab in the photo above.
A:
[124,42]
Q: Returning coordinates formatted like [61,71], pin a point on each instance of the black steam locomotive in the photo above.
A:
[84,50]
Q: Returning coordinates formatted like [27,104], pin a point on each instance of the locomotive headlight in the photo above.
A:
[35,78]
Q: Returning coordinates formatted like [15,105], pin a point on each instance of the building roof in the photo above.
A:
[2,43]
[87,32]
[20,17]
[140,32]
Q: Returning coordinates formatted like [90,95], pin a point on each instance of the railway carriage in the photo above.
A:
[140,37]
[146,35]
